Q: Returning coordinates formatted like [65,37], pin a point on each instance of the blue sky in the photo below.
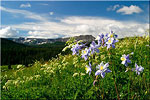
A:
[47,19]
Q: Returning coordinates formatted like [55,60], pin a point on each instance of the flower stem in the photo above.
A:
[114,77]
[103,91]
[116,89]
[99,86]
[129,85]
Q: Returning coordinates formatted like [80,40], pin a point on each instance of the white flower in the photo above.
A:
[75,74]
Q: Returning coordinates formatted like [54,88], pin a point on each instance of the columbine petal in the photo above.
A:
[98,72]
[138,69]
[103,74]
[85,58]
[123,62]
[88,68]
[106,65]
[138,73]
[90,73]
[128,61]
[106,35]
[116,36]
[102,63]
[108,46]
[127,57]
[141,68]
[113,45]
[116,40]
[97,50]
[126,64]
[108,70]
[90,64]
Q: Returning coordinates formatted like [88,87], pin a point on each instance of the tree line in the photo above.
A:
[14,53]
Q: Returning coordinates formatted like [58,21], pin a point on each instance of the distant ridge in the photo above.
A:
[85,38]
[38,41]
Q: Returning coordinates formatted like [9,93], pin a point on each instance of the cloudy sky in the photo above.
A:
[47,19]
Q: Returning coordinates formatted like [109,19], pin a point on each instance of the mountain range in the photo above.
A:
[38,41]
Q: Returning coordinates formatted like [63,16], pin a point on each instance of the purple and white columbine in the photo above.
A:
[94,48]
[125,60]
[110,42]
[100,39]
[138,69]
[88,68]
[111,39]
[85,53]
[112,35]
[75,49]
[102,69]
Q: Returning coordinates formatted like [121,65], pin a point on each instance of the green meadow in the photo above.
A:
[65,77]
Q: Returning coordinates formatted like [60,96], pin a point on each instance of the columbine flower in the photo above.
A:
[112,35]
[85,53]
[110,42]
[88,68]
[125,60]
[102,69]
[75,49]
[138,69]
[100,38]
[111,39]
[94,48]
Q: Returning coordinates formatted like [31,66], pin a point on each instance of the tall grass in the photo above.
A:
[65,77]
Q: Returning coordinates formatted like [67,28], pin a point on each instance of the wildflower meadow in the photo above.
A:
[107,68]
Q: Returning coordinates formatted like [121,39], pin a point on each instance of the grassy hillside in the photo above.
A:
[65,77]
[15,53]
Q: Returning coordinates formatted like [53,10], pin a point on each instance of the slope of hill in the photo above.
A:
[5,43]
[16,53]
[65,77]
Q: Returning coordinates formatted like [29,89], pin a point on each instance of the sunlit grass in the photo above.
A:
[65,77]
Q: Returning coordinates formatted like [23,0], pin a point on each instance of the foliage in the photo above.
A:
[65,77]
[15,53]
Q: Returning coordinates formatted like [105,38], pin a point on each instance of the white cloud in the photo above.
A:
[112,8]
[85,28]
[129,10]
[115,6]
[25,13]
[141,30]
[8,32]
[51,13]
[75,25]
[27,5]
[42,34]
